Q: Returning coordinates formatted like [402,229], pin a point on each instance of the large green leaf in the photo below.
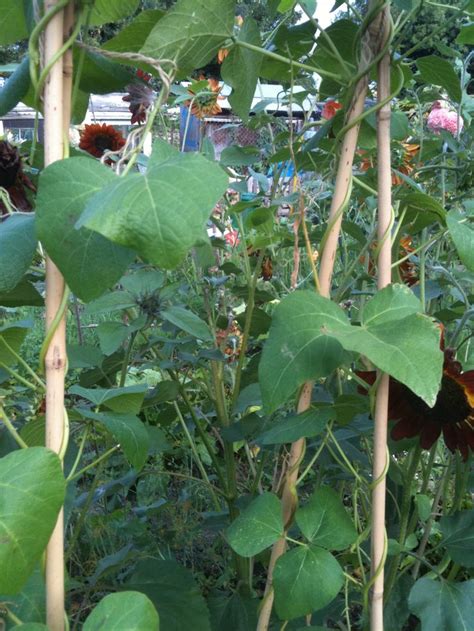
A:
[257,527]
[309,332]
[17,247]
[296,426]
[466,35]
[89,262]
[132,37]
[458,536]
[128,430]
[442,605]
[463,236]
[12,22]
[128,399]
[438,71]
[125,610]
[172,590]
[191,32]
[305,579]
[324,520]
[421,210]
[240,70]
[11,339]
[101,75]
[32,490]
[16,87]
[189,322]
[23,295]
[112,10]
[161,214]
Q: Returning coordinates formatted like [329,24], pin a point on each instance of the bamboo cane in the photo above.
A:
[384,279]
[55,359]
[341,191]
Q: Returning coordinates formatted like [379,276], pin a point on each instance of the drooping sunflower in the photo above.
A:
[96,139]
[452,415]
[407,268]
[205,103]
[13,179]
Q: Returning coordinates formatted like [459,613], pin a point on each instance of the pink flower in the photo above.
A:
[232,237]
[441,118]
[329,109]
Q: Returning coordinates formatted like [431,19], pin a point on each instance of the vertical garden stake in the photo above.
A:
[371,44]
[55,359]
[379,543]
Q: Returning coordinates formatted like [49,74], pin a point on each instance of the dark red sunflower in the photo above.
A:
[12,178]
[140,96]
[96,139]
[452,414]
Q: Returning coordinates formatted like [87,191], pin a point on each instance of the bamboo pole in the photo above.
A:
[378,543]
[371,42]
[55,359]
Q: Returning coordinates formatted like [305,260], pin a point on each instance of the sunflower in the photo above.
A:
[205,104]
[13,179]
[140,96]
[407,268]
[452,414]
[405,166]
[96,139]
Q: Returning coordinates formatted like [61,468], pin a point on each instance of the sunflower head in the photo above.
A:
[205,102]
[96,139]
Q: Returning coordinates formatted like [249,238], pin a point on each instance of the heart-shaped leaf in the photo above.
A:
[125,610]
[257,527]
[161,214]
[458,536]
[17,247]
[32,490]
[90,264]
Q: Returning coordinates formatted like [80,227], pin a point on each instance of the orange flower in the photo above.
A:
[267,268]
[222,54]
[96,139]
[405,166]
[205,104]
[330,108]
[407,268]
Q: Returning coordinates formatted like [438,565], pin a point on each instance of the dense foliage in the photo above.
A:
[194,322]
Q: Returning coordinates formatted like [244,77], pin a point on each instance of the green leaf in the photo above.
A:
[128,430]
[423,506]
[112,10]
[458,536]
[101,75]
[259,526]
[16,87]
[286,5]
[32,626]
[11,339]
[12,22]
[239,156]
[17,247]
[192,32]
[32,490]
[296,426]
[240,69]
[421,210]
[308,334]
[172,590]
[463,236]
[29,603]
[162,214]
[466,35]
[125,610]
[305,579]
[132,37]
[113,334]
[128,399]
[109,303]
[442,605]
[89,262]
[23,295]
[438,71]
[189,322]
[324,520]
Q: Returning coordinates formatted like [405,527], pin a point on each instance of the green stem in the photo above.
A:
[404,519]
[98,460]
[11,429]
[23,363]
[18,377]
[126,360]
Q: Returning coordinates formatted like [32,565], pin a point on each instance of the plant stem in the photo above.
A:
[11,429]
[93,464]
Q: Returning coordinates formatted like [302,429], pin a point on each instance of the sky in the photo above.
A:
[323,12]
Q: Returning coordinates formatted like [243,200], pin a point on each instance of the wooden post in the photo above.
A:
[370,43]
[384,279]
[55,359]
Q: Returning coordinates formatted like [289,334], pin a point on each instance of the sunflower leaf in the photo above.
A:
[309,333]
[442,605]
[17,247]
[89,262]
[191,33]
[161,214]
